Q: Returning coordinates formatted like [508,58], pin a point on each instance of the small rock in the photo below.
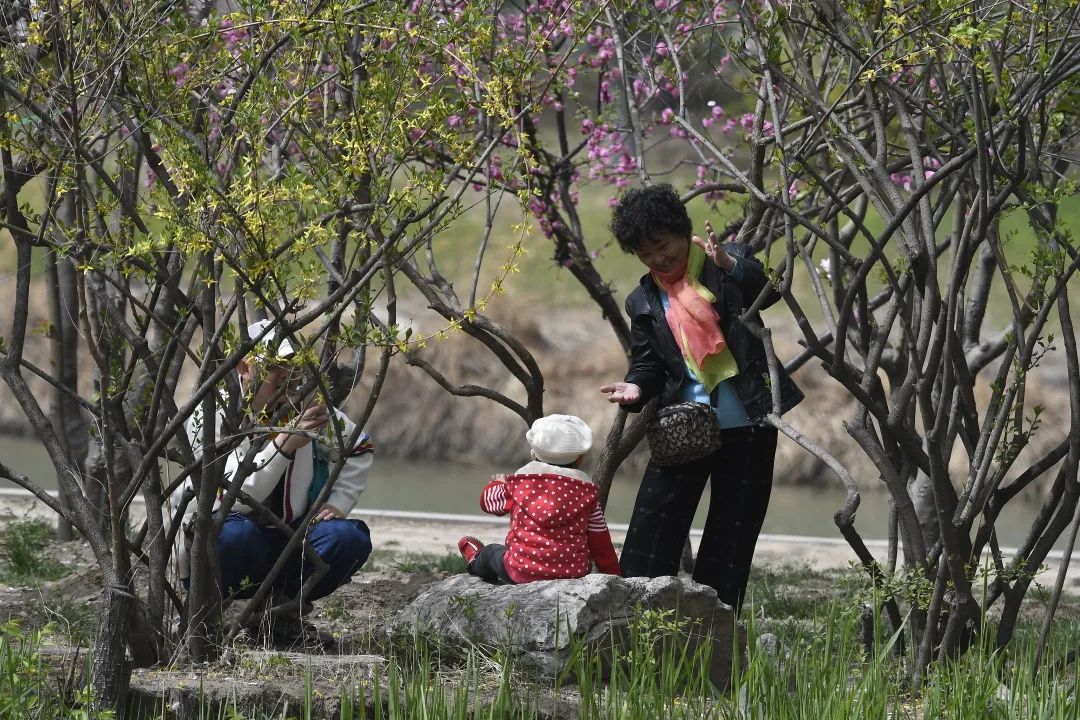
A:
[769,644]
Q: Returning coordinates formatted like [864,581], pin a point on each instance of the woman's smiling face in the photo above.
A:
[664,252]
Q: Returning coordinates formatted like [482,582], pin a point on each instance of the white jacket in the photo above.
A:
[270,466]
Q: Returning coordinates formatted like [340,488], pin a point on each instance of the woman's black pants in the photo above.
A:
[741,473]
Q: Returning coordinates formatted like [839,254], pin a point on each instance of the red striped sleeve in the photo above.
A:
[493,498]
[597,522]
[600,547]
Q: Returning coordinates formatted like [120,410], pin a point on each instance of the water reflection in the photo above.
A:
[455,488]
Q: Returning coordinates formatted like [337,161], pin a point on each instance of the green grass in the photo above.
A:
[69,621]
[792,591]
[29,690]
[817,670]
[429,563]
[23,560]
[389,558]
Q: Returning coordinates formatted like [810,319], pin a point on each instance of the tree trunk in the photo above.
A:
[111,670]
[67,416]
[64,529]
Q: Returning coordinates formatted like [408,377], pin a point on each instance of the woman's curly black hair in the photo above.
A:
[642,213]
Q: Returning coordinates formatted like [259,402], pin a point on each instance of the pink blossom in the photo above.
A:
[179,74]
[613,201]
[666,116]
[793,189]
[902,180]
[661,5]
[605,91]
[454,121]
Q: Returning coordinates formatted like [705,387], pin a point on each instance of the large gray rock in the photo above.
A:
[597,609]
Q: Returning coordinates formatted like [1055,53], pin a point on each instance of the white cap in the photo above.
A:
[559,439]
[284,347]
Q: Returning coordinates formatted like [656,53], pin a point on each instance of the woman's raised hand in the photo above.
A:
[713,250]
[623,393]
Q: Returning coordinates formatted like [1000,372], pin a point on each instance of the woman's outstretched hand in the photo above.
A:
[713,250]
[623,393]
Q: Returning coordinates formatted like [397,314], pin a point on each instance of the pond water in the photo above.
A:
[443,487]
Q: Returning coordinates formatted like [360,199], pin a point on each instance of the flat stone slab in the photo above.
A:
[256,681]
[539,623]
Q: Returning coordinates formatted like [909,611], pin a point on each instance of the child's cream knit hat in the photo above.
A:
[559,439]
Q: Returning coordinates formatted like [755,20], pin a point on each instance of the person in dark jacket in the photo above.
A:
[689,344]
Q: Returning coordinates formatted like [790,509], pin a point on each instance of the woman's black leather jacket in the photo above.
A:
[656,364]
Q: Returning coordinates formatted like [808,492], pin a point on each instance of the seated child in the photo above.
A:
[556,524]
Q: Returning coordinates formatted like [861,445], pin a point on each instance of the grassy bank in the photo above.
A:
[810,655]
[816,668]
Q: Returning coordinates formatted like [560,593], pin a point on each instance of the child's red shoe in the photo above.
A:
[469,547]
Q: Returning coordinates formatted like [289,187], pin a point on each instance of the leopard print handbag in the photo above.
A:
[682,433]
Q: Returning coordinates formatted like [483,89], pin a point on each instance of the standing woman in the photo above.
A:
[687,339]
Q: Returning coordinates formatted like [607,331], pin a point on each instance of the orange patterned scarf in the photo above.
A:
[694,322]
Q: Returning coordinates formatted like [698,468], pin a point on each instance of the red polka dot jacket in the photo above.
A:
[556,524]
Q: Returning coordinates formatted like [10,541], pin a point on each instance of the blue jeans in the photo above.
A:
[248,552]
